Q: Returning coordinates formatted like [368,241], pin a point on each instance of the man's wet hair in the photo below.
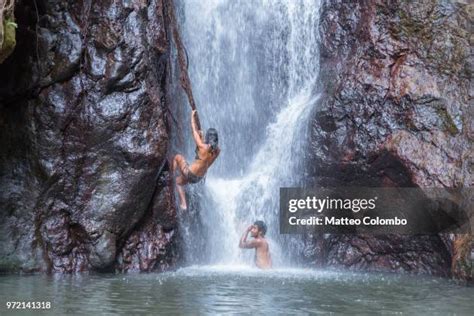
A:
[262,227]
[212,138]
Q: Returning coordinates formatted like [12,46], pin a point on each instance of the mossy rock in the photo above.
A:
[449,124]
[9,39]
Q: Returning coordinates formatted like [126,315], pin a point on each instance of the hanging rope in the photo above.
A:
[182,59]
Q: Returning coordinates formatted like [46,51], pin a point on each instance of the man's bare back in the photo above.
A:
[262,250]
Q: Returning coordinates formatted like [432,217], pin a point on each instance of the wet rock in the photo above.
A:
[463,257]
[84,134]
[102,253]
[152,245]
[395,111]
[394,253]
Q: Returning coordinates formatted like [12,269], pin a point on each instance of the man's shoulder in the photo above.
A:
[262,241]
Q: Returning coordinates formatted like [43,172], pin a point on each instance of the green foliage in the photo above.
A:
[9,39]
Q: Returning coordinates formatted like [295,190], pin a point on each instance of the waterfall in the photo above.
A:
[253,66]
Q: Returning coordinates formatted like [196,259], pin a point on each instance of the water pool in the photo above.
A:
[238,289]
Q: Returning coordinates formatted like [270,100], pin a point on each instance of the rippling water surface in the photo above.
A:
[238,289]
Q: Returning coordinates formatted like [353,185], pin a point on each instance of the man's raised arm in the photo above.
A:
[196,131]
[243,243]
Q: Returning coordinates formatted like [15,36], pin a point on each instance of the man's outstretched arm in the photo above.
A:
[196,132]
[243,243]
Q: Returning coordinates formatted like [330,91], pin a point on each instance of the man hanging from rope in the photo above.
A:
[207,151]
[207,148]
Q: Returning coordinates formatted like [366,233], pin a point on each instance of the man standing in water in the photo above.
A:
[262,251]
[207,150]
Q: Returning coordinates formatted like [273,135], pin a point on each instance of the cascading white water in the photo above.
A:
[253,66]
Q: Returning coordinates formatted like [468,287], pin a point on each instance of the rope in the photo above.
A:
[183,61]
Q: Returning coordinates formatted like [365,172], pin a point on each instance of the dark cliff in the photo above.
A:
[396,110]
[84,139]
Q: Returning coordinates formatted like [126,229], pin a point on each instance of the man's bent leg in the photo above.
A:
[179,162]
[180,182]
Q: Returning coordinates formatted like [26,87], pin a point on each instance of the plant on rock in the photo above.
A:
[7,29]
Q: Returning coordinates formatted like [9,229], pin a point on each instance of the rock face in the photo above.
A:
[84,139]
[396,110]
